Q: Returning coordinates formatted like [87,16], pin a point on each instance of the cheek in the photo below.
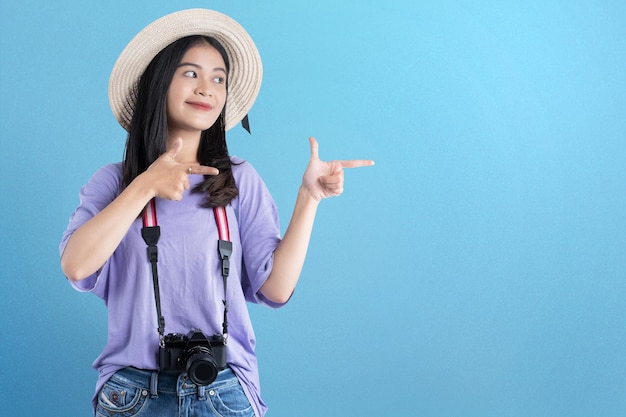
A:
[168,106]
[222,100]
[174,92]
[172,101]
[168,100]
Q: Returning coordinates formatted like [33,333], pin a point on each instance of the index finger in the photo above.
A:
[203,170]
[356,163]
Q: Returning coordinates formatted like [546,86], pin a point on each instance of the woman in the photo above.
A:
[177,87]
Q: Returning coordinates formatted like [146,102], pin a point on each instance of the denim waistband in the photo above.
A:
[170,383]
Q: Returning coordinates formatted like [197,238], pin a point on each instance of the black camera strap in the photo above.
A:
[151,233]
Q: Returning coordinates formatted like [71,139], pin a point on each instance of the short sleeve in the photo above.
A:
[259,230]
[103,187]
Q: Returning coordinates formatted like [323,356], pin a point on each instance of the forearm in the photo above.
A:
[95,241]
[291,252]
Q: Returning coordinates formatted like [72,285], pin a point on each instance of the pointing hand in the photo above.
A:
[170,178]
[325,179]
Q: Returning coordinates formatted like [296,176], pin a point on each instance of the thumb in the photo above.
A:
[314,148]
[176,148]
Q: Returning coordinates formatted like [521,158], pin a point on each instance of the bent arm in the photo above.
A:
[94,242]
[320,180]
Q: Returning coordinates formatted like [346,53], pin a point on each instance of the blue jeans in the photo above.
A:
[135,392]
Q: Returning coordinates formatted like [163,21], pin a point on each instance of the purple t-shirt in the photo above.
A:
[189,269]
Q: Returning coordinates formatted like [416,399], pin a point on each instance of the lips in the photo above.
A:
[200,106]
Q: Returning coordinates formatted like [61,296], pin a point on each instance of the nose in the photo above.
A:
[204,89]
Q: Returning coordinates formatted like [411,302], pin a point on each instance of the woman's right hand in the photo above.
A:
[168,178]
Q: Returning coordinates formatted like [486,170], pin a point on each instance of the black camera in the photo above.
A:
[200,357]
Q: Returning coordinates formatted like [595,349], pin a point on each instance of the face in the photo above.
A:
[197,93]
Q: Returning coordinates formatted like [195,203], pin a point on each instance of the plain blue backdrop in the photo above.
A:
[479,269]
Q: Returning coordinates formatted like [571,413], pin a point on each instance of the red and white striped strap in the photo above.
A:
[150,219]
[222,223]
[150,215]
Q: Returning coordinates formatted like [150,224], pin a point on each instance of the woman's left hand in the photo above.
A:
[320,180]
[325,179]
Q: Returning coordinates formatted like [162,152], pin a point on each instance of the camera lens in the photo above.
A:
[201,366]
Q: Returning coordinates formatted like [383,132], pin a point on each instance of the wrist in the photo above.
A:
[305,197]
[142,186]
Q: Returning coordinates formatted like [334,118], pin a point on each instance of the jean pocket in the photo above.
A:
[231,401]
[117,399]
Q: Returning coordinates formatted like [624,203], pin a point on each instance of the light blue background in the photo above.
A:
[477,270]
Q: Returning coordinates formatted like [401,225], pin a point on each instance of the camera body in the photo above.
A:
[199,356]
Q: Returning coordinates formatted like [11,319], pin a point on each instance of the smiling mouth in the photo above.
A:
[200,106]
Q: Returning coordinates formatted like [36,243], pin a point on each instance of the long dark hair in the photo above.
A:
[147,135]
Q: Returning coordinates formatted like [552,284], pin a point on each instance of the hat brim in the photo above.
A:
[246,69]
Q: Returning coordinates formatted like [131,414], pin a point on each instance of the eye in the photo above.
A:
[219,80]
[190,74]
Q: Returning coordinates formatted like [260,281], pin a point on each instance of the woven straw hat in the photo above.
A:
[244,78]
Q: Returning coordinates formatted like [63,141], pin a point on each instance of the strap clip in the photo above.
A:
[225,248]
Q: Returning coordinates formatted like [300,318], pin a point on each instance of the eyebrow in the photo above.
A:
[191,64]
